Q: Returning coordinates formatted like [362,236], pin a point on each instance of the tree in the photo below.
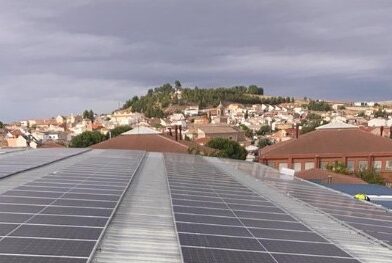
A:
[228,148]
[370,176]
[88,114]
[2,125]
[119,130]
[264,130]
[248,132]
[380,113]
[253,89]
[263,142]
[87,139]
[338,167]
[177,84]
[319,106]
[311,122]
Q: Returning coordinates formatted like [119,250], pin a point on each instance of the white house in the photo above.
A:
[192,111]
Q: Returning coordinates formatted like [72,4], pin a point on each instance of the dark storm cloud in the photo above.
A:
[64,56]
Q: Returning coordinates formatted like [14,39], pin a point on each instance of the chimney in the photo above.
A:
[176,132]
[381,131]
[180,128]
[170,131]
[296,131]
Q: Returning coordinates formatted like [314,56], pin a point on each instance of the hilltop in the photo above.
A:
[160,100]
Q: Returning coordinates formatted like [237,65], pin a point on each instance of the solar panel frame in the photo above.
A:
[67,216]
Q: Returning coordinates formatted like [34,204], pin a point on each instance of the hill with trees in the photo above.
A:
[156,100]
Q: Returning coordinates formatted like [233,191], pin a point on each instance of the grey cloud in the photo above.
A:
[63,56]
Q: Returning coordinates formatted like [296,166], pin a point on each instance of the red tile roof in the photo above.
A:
[323,176]
[326,142]
[145,142]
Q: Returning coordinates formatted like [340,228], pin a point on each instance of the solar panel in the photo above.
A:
[25,160]
[368,218]
[61,218]
[202,255]
[30,259]
[220,220]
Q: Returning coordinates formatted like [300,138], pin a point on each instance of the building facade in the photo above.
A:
[356,149]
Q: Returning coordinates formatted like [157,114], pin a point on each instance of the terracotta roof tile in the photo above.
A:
[330,141]
[146,142]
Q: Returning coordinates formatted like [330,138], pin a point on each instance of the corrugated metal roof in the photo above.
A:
[143,227]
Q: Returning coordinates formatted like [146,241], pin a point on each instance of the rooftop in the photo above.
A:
[79,206]
[141,130]
[326,176]
[144,142]
[331,141]
[209,129]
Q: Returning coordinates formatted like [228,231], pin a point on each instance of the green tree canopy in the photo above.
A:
[153,103]
[88,114]
[248,132]
[228,148]
[87,139]
[319,106]
[177,84]
[380,113]
[370,176]
[253,89]
[265,129]
[119,130]
[2,125]
[263,142]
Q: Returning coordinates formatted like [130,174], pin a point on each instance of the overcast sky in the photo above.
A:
[62,56]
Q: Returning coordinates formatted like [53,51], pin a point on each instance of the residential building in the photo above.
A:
[221,131]
[331,143]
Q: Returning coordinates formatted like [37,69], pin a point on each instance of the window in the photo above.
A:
[377,165]
[323,165]
[350,166]
[297,167]
[388,165]
[283,165]
[363,165]
[309,165]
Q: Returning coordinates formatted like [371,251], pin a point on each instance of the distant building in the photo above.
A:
[377,122]
[192,111]
[220,117]
[219,131]
[334,142]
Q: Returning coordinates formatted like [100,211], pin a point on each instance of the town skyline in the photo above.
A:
[119,104]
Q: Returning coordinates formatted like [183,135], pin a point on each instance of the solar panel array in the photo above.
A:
[10,150]
[372,220]
[25,160]
[61,217]
[220,220]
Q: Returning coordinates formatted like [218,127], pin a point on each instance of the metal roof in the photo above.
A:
[186,208]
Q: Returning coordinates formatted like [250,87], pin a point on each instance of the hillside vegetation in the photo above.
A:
[156,100]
